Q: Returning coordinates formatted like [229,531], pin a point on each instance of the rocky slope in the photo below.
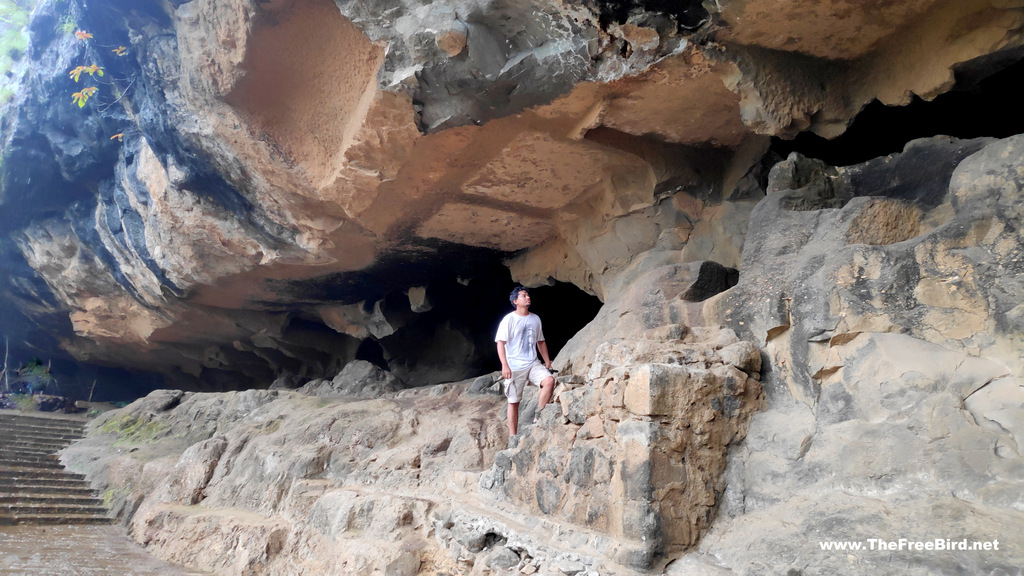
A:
[788,352]
[660,453]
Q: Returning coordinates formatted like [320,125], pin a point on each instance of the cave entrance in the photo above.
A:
[975,107]
[688,15]
[454,339]
[426,320]
[564,309]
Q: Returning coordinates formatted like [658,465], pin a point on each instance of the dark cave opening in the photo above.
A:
[433,319]
[975,107]
[688,15]
[564,310]
[445,336]
[370,351]
[454,339]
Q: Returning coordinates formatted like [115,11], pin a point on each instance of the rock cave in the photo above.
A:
[776,247]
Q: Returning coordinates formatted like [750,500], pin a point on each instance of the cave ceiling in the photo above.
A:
[285,162]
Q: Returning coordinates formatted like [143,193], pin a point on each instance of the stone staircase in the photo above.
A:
[34,486]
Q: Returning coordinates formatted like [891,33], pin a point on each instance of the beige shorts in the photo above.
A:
[514,386]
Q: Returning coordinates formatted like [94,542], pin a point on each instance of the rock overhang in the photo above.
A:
[498,125]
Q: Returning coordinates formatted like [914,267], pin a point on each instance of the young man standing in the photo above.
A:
[519,338]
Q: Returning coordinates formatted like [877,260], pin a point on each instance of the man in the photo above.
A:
[519,338]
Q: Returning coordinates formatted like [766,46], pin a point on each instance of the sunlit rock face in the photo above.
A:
[895,357]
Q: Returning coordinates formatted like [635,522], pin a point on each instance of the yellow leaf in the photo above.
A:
[82,97]
[119,50]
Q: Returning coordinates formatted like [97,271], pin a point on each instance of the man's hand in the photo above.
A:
[543,347]
[506,372]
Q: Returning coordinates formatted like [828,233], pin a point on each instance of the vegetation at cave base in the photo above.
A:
[32,377]
[14,15]
[25,402]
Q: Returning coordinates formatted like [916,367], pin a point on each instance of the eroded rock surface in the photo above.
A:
[276,158]
[280,482]
[893,377]
[789,352]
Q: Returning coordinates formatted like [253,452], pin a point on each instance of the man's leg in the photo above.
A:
[547,387]
[513,418]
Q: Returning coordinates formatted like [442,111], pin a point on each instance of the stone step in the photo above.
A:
[30,435]
[18,443]
[7,519]
[69,479]
[42,426]
[49,499]
[37,509]
[6,452]
[8,427]
[23,449]
[50,435]
[40,462]
[28,486]
[27,437]
[51,446]
[5,449]
[35,488]
[9,424]
[43,417]
[19,472]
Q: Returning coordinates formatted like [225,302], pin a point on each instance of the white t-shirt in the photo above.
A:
[520,334]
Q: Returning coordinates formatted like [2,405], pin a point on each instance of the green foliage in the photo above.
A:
[76,73]
[82,97]
[15,12]
[14,17]
[112,496]
[132,430]
[25,402]
[13,35]
[67,24]
[34,377]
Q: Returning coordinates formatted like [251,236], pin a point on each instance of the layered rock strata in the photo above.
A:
[894,396]
[273,159]
[658,451]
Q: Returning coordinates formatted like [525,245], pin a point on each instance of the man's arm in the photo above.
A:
[543,347]
[506,372]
